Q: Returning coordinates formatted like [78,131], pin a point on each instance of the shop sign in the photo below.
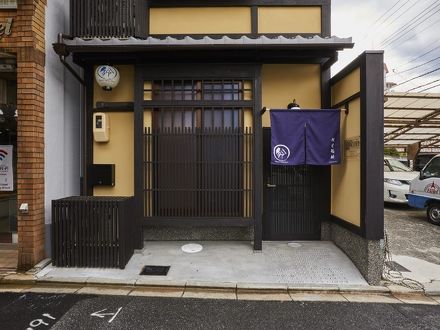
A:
[5,28]
[352,147]
[6,168]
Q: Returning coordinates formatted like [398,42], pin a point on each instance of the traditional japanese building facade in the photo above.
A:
[185,131]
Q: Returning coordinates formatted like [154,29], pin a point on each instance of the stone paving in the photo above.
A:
[317,262]
[410,234]
[414,244]
[8,258]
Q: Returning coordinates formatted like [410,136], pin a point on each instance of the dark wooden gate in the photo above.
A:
[296,198]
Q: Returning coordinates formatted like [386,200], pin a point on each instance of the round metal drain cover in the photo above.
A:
[293,245]
[192,248]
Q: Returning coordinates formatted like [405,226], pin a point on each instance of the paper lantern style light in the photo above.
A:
[107,77]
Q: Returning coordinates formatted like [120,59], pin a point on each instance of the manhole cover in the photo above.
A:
[192,248]
[155,270]
[293,245]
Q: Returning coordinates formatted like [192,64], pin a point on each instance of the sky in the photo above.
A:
[407,30]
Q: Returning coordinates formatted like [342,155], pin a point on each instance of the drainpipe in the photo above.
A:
[71,70]
[83,114]
[63,59]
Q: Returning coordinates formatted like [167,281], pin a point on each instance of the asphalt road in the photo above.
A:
[410,234]
[54,311]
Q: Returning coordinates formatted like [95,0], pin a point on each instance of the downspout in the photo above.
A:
[63,59]
[71,70]
[83,114]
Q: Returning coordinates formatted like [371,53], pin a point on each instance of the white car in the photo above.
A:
[397,178]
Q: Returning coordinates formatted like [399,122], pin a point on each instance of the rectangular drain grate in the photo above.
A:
[155,270]
[397,267]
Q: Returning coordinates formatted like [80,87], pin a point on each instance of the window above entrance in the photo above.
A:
[198,90]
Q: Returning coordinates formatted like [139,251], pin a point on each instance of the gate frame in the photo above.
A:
[243,71]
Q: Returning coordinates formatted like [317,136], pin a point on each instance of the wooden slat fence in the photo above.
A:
[92,231]
[108,18]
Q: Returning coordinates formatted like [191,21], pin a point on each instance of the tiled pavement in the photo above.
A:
[8,258]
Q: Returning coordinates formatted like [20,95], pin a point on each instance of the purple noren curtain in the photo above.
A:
[305,137]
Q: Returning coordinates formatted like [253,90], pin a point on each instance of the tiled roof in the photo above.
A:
[207,41]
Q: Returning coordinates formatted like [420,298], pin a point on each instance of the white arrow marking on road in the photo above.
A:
[101,315]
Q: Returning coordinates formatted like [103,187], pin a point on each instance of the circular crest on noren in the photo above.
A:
[281,153]
[107,77]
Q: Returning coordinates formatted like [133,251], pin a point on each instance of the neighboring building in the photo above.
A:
[40,109]
[62,115]
[22,57]
[186,134]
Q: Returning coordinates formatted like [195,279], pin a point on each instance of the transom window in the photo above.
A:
[198,90]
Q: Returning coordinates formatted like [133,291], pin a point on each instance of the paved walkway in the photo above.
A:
[318,263]
[8,257]
[414,244]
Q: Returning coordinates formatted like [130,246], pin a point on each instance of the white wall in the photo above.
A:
[63,100]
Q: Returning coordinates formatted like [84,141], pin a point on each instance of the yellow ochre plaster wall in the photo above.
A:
[200,20]
[346,177]
[281,83]
[289,19]
[120,149]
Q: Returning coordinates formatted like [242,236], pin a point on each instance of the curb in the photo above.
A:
[29,278]
[218,290]
[26,279]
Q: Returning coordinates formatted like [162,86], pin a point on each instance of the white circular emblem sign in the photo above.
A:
[107,77]
[281,153]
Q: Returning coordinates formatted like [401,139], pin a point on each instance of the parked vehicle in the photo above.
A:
[425,190]
[421,160]
[397,178]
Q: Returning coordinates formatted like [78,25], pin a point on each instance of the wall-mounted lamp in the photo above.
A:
[107,77]
[293,105]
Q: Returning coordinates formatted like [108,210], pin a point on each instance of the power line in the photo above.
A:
[395,11]
[424,54]
[371,28]
[427,89]
[405,12]
[412,28]
[403,29]
[418,66]
[415,33]
[434,81]
[397,31]
[411,21]
[387,11]
[422,75]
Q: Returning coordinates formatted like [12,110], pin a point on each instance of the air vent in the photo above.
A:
[155,270]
